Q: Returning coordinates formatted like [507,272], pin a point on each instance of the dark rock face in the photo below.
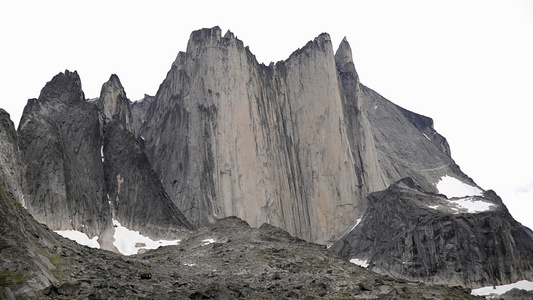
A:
[84,164]
[400,235]
[60,140]
[135,193]
[137,197]
[407,145]
[10,160]
[25,265]
[138,111]
[113,103]
[515,294]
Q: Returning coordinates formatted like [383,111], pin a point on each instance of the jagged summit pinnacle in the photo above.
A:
[321,42]
[64,87]
[343,57]
[114,104]
[211,37]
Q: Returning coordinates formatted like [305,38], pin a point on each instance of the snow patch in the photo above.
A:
[471,205]
[359,262]
[23,202]
[102,152]
[427,137]
[207,242]
[356,223]
[128,242]
[80,238]
[453,187]
[500,289]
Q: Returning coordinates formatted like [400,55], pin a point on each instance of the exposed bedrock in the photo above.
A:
[60,140]
[229,136]
[408,233]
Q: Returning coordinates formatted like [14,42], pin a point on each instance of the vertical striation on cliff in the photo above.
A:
[60,139]
[113,103]
[419,236]
[84,166]
[11,170]
[229,136]
[135,193]
[138,111]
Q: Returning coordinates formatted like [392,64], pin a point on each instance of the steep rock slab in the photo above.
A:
[229,136]
[361,138]
[10,161]
[410,234]
[138,111]
[60,140]
[136,196]
[113,103]
[25,266]
[407,145]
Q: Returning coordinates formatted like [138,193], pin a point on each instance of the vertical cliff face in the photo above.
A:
[406,145]
[298,144]
[10,161]
[60,140]
[358,126]
[408,233]
[84,165]
[229,136]
[113,103]
[135,193]
[25,245]
[138,111]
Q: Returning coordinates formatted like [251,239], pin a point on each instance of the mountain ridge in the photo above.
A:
[300,144]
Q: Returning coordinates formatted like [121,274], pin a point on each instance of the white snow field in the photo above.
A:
[500,289]
[129,242]
[453,187]
[359,262]
[207,242]
[80,238]
[461,196]
[471,205]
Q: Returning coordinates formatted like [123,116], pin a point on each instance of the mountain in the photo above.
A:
[300,144]
[84,166]
[303,145]
[229,136]
[60,141]
[412,234]
[138,111]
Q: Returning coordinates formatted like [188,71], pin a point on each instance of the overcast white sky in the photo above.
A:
[466,64]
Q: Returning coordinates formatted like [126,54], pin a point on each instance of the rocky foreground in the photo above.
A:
[228,260]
